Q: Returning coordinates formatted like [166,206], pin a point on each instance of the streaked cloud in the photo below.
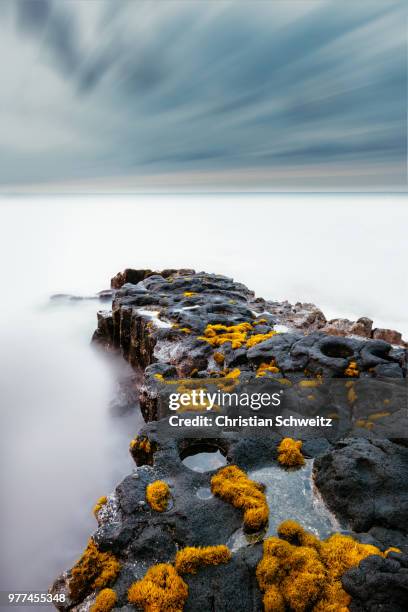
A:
[296,89]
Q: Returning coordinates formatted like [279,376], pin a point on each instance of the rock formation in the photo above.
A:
[182,328]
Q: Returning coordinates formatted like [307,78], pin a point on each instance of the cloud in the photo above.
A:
[134,86]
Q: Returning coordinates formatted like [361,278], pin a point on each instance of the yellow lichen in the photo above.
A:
[159,376]
[258,338]
[189,559]
[234,486]
[219,358]
[189,405]
[299,572]
[289,453]
[363,423]
[235,373]
[101,502]
[309,384]
[259,322]
[94,570]
[285,381]
[351,395]
[189,293]
[158,495]
[267,367]
[161,590]
[352,370]
[378,415]
[217,335]
[391,549]
[185,330]
[141,443]
[105,601]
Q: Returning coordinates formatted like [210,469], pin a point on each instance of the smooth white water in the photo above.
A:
[65,430]
[62,446]
[346,253]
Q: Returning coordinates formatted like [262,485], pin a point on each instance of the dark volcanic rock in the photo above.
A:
[365,483]
[378,585]
[227,587]
[159,322]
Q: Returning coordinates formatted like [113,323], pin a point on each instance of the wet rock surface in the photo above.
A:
[159,323]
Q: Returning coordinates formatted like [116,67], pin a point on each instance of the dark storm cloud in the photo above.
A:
[33,14]
[221,85]
[56,24]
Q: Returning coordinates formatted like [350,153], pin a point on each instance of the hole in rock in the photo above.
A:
[204,493]
[203,457]
[336,350]
[381,353]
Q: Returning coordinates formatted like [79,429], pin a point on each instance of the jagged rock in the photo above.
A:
[157,322]
[338,327]
[345,327]
[364,482]
[389,335]
[362,327]
[378,584]
[302,315]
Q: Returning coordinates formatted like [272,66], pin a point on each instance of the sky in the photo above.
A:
[278,95]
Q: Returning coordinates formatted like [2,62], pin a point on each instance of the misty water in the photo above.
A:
[64,429]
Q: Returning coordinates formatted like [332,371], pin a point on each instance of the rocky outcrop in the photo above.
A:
[179,328]
[378,584]
[365,482]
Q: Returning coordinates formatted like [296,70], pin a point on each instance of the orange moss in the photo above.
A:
[158,495]
[352,370]
[289,453]
[234,486]
[94,570]
[300,572]
[189,559]
[161,590]
[258,338]
[292,532]
[105,601]
[267,367]
[101,502]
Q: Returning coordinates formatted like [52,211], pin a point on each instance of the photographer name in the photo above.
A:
[177,420]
